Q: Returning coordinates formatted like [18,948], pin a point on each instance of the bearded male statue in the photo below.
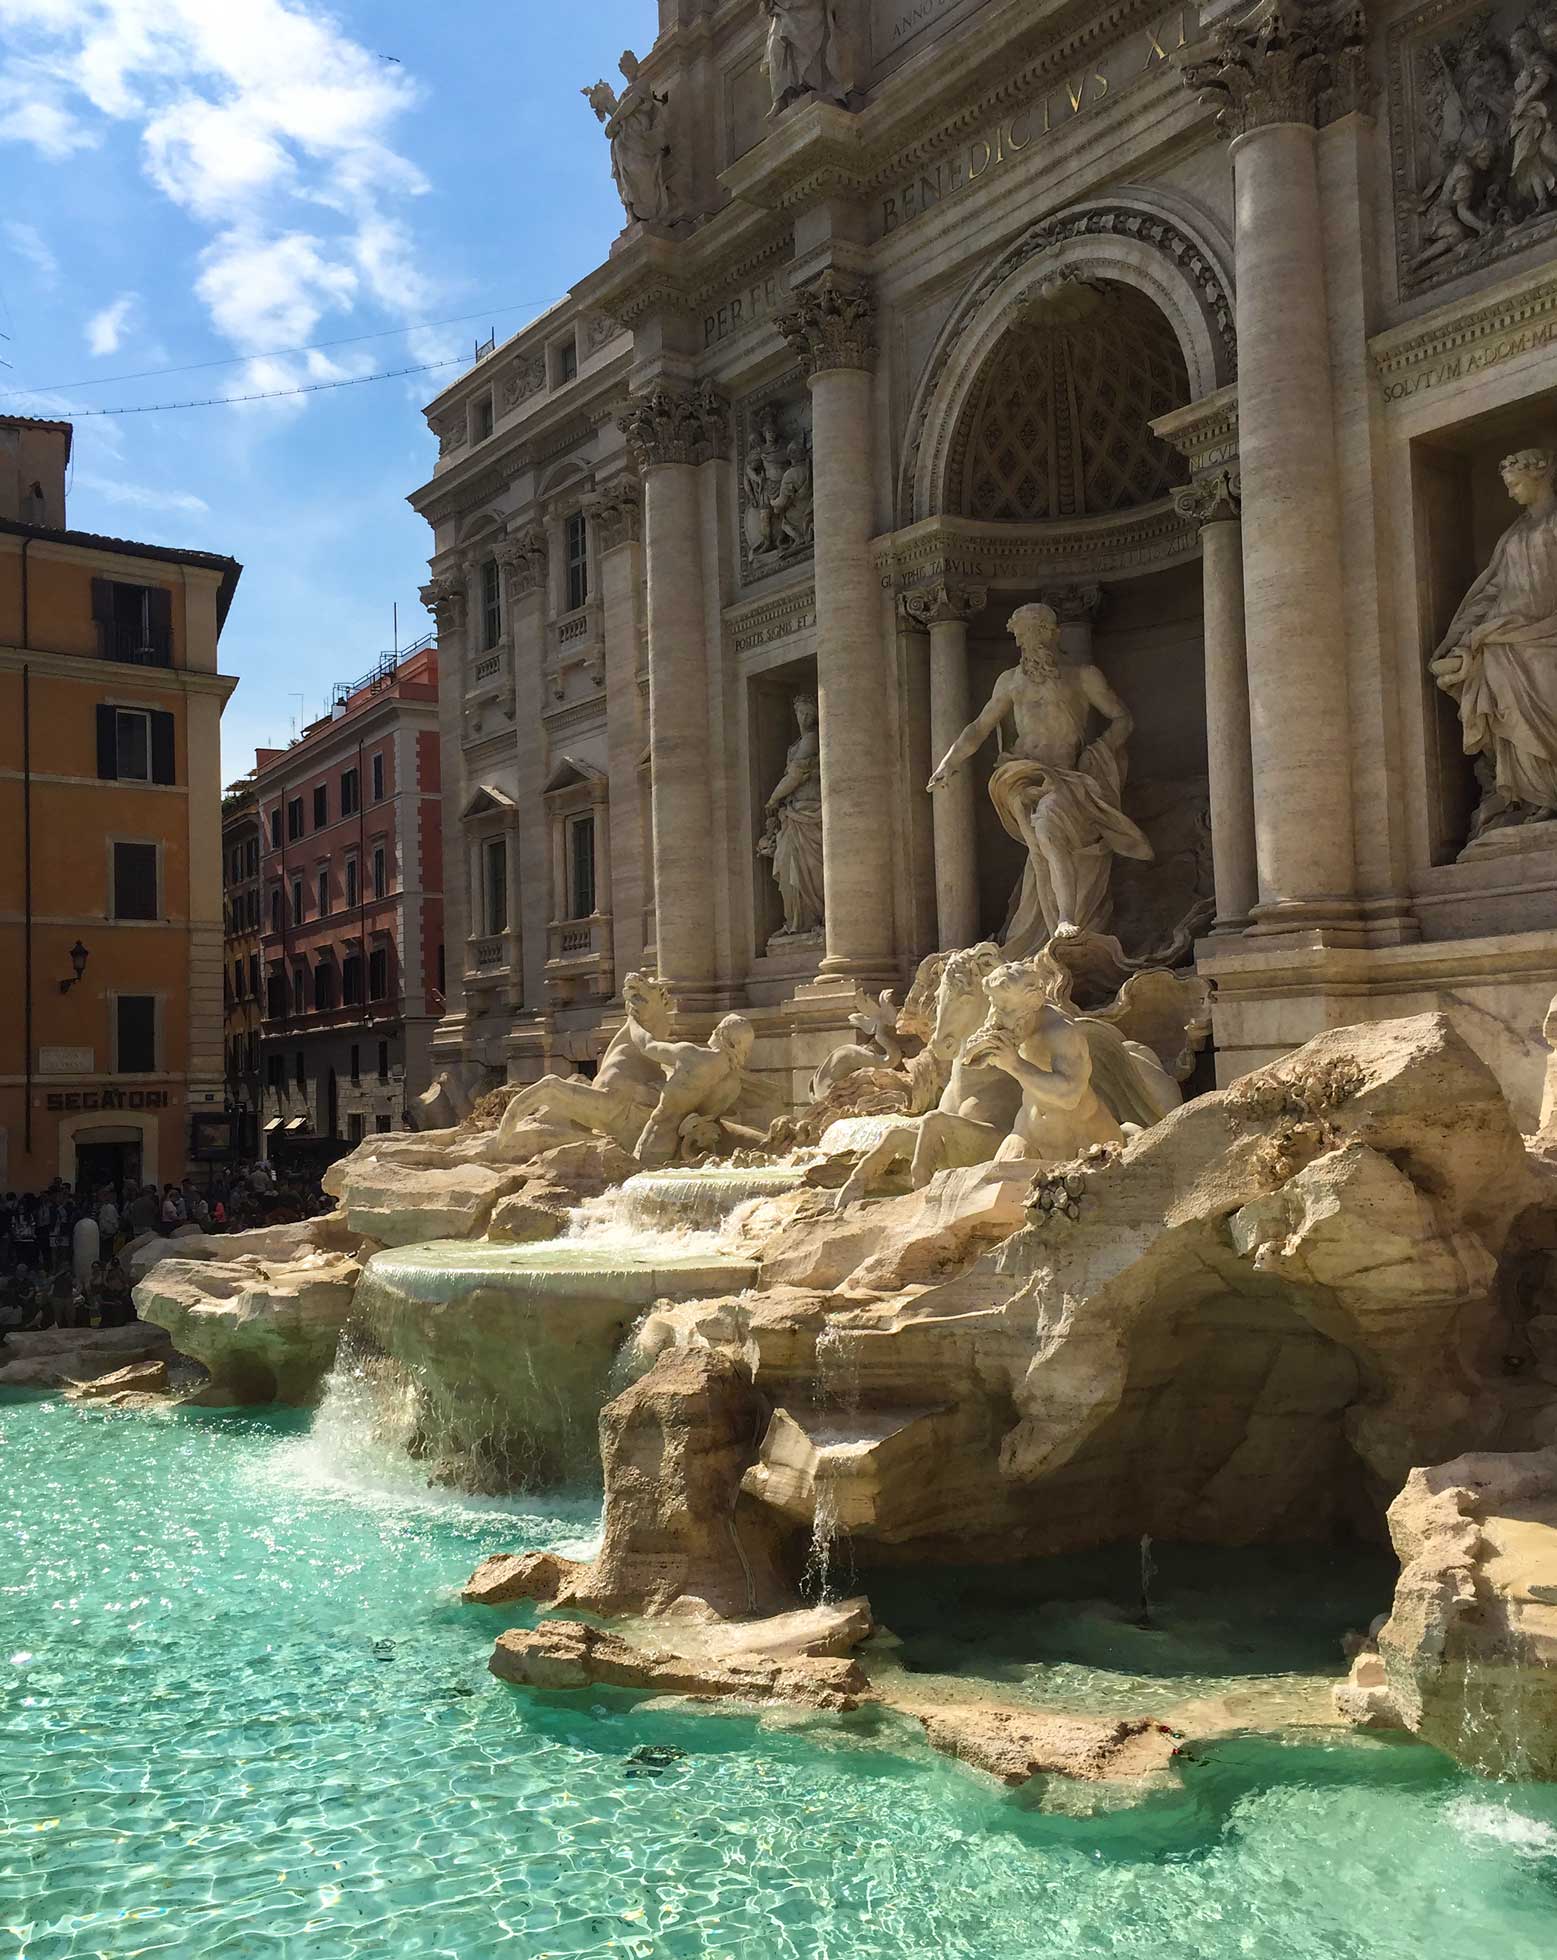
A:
[1499,657]
[1056,792]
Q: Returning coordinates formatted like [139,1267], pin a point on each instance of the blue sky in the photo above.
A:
[203,181]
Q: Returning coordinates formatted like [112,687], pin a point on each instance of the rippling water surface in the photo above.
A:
[245,1714]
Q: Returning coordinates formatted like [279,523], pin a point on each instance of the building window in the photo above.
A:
[567,360]
[275,1071]
[380,872]
[352,893]
[275,910]
[294,819]
[251,856]
[134,622]
[136,1031]
[351,794]
[494,884]
[237,980]
[378,777]
[577,556]
[324,986]
[378,974]
[254,975]
[324,894]
[276,995]
[135,881]
[321,806]
[300,990]
[129,746]
[275,828]
[356,1064]
[491,604]
[581,866]
[302,1074]
[354,1127]
[383,1061]
[297,901]
[351,982]
[381,1124]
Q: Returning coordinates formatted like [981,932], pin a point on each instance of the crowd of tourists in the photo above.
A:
[62,1252]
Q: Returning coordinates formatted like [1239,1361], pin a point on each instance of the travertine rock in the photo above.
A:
[1470,1648]
[277,1244]
[139,1378]
[53,1357]
[510,1576]
[397,1201]
[679,1533]
[1017,1744]
[266,1333]
[568,1654]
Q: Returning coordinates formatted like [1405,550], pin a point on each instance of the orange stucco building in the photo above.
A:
[111,958]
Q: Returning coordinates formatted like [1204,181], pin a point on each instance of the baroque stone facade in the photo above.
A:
[1208,331]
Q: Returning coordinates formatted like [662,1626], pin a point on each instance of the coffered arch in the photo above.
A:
[1174,292]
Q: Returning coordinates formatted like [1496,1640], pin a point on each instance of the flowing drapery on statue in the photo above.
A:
[793,837]
[800,52]
[1055,792]
[1499,656]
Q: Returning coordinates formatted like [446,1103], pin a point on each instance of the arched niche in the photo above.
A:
[1161,258]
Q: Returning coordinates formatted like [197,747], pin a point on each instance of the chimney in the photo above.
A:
[33,459]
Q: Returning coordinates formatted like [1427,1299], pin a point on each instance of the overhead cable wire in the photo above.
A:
[273,394]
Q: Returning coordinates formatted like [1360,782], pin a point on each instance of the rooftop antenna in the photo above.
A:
[397,632]
[297,719]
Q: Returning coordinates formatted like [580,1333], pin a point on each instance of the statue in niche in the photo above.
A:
[703,1081]
[1499,657]
[640,153]
[1056,792]
[792,838]
[801,52]
[780,498]
[616,1104]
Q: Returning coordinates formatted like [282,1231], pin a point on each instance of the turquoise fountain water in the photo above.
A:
[245,1714]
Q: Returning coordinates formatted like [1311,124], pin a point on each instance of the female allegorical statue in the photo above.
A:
[793,837]
[1499,656]
[800,51]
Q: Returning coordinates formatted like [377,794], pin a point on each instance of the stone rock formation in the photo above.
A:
[56,1357]
[265,1333]
[139,1378]
[401,1200]
[1469,1652]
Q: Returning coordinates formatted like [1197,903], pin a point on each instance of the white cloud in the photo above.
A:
[105,330]
[262,120]
[142,495]
[29,243]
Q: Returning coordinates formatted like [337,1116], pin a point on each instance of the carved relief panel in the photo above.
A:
[778,526]
[1473,129]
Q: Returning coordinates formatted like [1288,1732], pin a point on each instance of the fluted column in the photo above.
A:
[523,556]
[944,610]
[1212,501]
[671,433]
[1276,74]
[444,598]
[831,327]
[618,520]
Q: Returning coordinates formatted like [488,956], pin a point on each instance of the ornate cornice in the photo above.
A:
[832,324]
[1464,339]
[1205,433]
[943,601]
[523,555]
[1215,498]
[1286,61]
[675,425]
[617,514]
[758,624]
[962,551]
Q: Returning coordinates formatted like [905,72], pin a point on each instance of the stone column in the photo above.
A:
[1276,74]
[1212,501]
[670,434]
[617,516]
[444,598]
[524,558]
[831,327]
[944,610]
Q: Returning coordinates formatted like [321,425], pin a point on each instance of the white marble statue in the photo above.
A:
[616,1104]
[1055,791]
[792,838]
[635,126]
[801,52]
[702,1082]
[1499,656]
[1046,1053]
[979,1105]
[779,493]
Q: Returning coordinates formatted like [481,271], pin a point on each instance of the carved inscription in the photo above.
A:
[747,308]
[1087,89]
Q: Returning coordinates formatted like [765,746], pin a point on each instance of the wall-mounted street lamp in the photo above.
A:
[78,959]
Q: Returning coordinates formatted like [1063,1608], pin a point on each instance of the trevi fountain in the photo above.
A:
[1065,1463]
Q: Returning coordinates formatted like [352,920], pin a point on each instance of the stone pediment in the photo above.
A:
[489,801]
[570,773]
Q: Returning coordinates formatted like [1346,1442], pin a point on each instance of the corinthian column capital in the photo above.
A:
[522,554]
[1215,498]
[1285,61]
[444,597]
[677,425]
[617,514]
[943,602]
[831,324]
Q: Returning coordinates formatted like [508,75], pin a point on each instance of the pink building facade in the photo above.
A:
[351,835]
